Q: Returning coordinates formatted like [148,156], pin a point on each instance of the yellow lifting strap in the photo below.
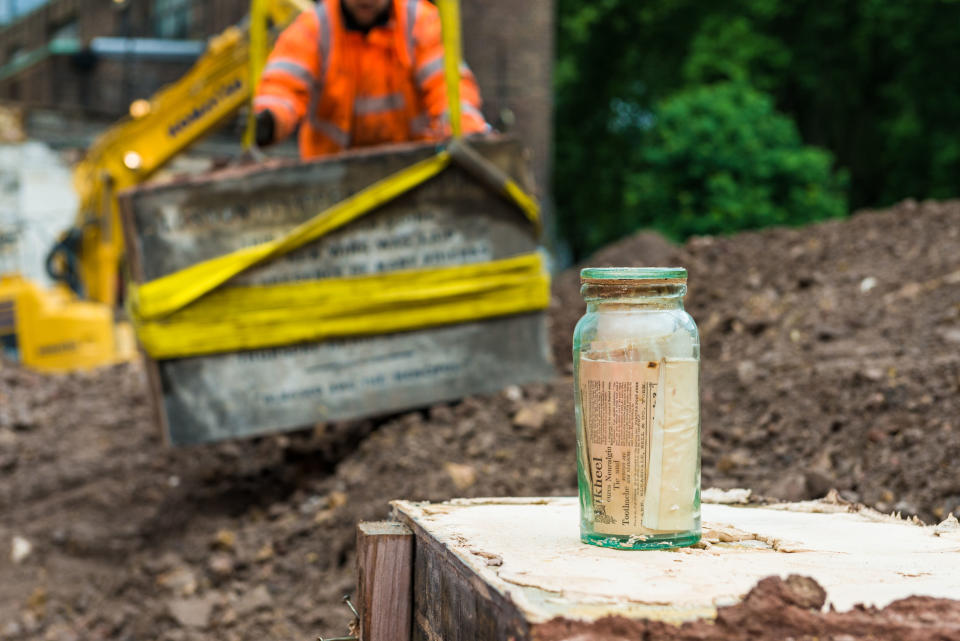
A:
[450,25]
[259,49]
[253,317]
[452,57]
[172,292]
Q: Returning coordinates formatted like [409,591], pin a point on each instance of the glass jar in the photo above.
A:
[636,356]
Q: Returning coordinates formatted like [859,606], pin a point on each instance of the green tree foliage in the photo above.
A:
[719,158]
[869,80]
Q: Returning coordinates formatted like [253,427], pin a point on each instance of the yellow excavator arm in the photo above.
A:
[218,84]
[49,329]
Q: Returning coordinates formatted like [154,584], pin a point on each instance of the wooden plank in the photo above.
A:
[448,221]
[512,568]
[384,581]
[451,602]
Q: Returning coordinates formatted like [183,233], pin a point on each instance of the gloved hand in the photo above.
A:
[266,127]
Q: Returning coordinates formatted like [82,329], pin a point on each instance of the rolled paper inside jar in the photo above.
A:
[626,336]
[669,501]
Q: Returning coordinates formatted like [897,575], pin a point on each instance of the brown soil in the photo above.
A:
[778,609]
[812,380]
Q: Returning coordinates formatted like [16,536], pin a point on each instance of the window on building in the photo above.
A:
[11,10]
[63,30]
[172,18]
[15,52]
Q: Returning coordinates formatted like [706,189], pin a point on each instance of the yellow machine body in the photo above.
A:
[53,330]
[218,85]
[50,330]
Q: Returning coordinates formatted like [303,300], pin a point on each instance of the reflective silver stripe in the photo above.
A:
[324,46]
[325,38]
[467,108]
[331,131]
[420,124]
[366,105]
[411,23]
[427,70]
[294,68]
[267,101]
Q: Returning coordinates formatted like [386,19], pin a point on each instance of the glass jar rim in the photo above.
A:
[642,274]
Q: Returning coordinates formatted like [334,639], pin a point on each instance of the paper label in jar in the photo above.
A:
[619,410]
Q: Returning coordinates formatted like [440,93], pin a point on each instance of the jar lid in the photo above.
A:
[648,275]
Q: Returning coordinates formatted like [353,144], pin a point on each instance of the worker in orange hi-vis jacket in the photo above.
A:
[356,73]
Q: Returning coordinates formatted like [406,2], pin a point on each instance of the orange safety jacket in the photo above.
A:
[349,89]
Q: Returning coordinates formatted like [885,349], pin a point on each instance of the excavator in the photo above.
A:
[74,324]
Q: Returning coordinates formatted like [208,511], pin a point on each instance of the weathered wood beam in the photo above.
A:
[384,581]
[515,570]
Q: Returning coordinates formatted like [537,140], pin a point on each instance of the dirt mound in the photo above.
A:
[830,360]
[245,540]
[830,357]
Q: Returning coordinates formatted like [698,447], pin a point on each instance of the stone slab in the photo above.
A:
[450,220]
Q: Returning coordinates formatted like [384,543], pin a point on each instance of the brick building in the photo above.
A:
[99,55]
[96,56]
